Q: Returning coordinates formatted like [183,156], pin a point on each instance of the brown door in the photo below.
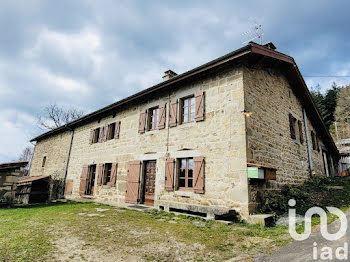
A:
[150,180]
[90,181]
[133,182]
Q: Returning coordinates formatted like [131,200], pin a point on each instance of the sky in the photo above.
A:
[89,54]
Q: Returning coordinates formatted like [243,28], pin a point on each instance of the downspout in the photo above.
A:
[308,141]
[67,162]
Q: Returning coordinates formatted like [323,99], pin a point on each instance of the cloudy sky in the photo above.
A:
[88,54]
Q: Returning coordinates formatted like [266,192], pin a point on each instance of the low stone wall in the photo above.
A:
[8,185]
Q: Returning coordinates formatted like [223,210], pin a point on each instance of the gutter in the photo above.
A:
[67,161]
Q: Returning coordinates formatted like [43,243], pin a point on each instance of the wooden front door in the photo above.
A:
[150,181]
[90,181]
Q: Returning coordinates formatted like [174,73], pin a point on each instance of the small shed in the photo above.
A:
[34,189]
[9,175]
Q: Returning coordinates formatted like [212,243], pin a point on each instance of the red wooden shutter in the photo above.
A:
[301,133]
[142,122]
[198,185]
[133,182]
[92,131]
[162,116]
[83,177]
[113,174]
[100,174]
[173,114]
[117,130]
[169,174]
[199,113]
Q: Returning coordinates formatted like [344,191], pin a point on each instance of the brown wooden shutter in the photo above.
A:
[169,174]
[133,182]
[92,131]
[292,126]
[318,143]
[105,133]
[83,177]
[117,130]
[301,133]
[142,121]
[173,114]
[198,177]
[100,174]
[162,116]
[113,174]
[100,137]
[199,113]
[69,187]
[313,140]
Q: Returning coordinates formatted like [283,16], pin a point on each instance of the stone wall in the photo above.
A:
[220,138]
[8,183]
[270,98]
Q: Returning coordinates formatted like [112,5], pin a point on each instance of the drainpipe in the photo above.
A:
[67,162]
[308,141]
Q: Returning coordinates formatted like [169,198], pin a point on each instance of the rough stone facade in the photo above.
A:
[228,138]
[271,99]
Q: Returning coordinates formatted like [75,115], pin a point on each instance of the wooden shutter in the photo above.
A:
[100,174]
[199,113]
[169,174]
[301,133]
[69,187]
[100,137]
[173,114]
[92,131]
[105,133]
[318,143]
[292,126]
[133,182]
[83,177]
[313,140]
[113,174]
[198,177]
[142,121]
[117,130]
[162,116]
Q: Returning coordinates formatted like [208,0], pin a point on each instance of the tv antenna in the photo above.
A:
[256,32]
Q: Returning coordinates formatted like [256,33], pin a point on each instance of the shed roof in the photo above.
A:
[251,53]
[31,179]
[14,164]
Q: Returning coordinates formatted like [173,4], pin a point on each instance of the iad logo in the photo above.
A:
[341,253]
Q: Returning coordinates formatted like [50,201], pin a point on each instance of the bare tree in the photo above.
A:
[55,116]
[26,155]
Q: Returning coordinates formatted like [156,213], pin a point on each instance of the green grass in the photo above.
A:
[28,233]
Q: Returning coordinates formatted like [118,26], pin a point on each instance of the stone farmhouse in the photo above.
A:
[209,141]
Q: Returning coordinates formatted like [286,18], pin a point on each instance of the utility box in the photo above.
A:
[255,172]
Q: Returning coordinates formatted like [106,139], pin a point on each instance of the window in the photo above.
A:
[153,118]
[111,131]
[107,173]
[44,161]
[187,109]
[313,139]
[185,173]
[96,135]
[292,121]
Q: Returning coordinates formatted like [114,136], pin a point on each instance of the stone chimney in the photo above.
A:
[168,74]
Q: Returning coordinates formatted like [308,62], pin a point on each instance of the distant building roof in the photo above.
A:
[14,164]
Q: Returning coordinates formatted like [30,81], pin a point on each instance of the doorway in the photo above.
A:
[149,182]
[90,181]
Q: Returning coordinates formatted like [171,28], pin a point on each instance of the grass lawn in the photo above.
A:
[89,231]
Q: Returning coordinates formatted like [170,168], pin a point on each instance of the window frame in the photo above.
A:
[153,123]
[186,178]
[191,102]
[111,131]
[96,135]
[44,161]
[107,167]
